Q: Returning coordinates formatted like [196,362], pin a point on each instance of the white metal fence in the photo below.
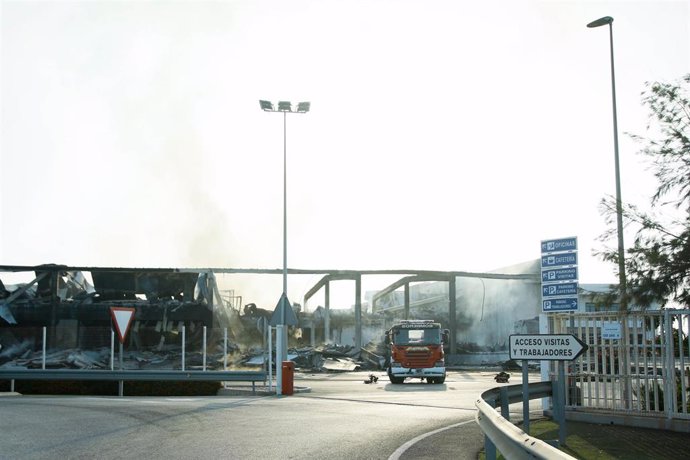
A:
[637,363]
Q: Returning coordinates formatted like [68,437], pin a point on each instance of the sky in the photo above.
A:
[443,135]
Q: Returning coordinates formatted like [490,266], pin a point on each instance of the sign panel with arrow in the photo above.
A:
[549,347]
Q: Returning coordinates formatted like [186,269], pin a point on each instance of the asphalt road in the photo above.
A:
[340,418]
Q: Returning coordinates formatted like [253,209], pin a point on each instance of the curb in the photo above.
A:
[260,391]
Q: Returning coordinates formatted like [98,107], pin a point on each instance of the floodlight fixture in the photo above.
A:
[303,107]
[285,107]
[600,22]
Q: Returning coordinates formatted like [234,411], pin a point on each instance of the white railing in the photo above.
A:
[656,379]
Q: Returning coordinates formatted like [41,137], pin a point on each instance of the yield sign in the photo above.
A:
[283,313]
[122,319]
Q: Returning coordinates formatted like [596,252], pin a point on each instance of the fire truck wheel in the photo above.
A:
[395,380]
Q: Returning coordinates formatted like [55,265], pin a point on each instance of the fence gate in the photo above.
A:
[635,363]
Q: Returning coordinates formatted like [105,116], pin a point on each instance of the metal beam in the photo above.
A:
[136,374]
[433,276]
[346,274]
[452,315]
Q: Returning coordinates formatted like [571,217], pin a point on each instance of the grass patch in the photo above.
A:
[578,444]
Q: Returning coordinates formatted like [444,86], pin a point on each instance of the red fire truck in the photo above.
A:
[416,351]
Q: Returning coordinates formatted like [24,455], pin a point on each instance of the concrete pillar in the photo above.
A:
[452,320]
[407,301]
[358,312]
[327,313]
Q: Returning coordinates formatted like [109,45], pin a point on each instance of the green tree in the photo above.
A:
[658,264]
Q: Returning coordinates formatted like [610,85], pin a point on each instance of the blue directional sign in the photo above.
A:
[559,260]
[559,274]
[558,290]
[559,245]
[562,304]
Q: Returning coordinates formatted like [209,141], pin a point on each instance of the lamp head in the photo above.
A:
[266,106]
[303,107]
[600,22]
[284,106]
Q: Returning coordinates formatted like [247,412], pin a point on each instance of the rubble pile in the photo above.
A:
[328,358]
[75,358]
[375,355]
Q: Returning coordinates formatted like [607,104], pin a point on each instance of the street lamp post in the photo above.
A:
[622,283]
[281,337]
[619,204]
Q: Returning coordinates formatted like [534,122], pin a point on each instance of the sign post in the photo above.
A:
[122,319]
[283,316]
[546,347]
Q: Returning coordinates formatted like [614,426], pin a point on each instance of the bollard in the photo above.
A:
[288,378]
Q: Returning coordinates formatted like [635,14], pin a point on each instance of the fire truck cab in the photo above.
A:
[416,351]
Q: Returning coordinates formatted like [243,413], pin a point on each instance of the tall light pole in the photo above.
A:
[283,308]
[623,306]
[622,283]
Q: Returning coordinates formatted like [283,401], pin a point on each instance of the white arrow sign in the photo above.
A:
[122,319]
[550,347]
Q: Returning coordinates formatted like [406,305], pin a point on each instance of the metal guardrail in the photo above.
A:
[129,375]
[501,434]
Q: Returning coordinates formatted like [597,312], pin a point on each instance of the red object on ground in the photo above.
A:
[288,378]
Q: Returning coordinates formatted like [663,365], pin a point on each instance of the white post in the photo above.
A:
[204,351]
[270,358]
[544,366]
[121,386]
[112,350]
[279,354]
[44,348]
[669,368]
[225,349]
[183,343]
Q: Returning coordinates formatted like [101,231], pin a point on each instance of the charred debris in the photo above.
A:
[74,307]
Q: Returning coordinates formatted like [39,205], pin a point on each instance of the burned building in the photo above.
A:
[74,302]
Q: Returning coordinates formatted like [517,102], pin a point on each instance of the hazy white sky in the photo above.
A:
[444,135]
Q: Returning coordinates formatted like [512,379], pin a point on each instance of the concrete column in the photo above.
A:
[358,312]
[407,301]
[452,320]
[54,301]
[327,313]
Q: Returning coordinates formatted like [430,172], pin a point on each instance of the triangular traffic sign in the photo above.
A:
[122,319]
[283,313]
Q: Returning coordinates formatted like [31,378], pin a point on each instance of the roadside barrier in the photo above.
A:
[502,435]
[127,375]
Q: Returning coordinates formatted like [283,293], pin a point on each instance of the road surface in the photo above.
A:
[341,417]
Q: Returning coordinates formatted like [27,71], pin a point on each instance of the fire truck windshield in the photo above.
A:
[417,337]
